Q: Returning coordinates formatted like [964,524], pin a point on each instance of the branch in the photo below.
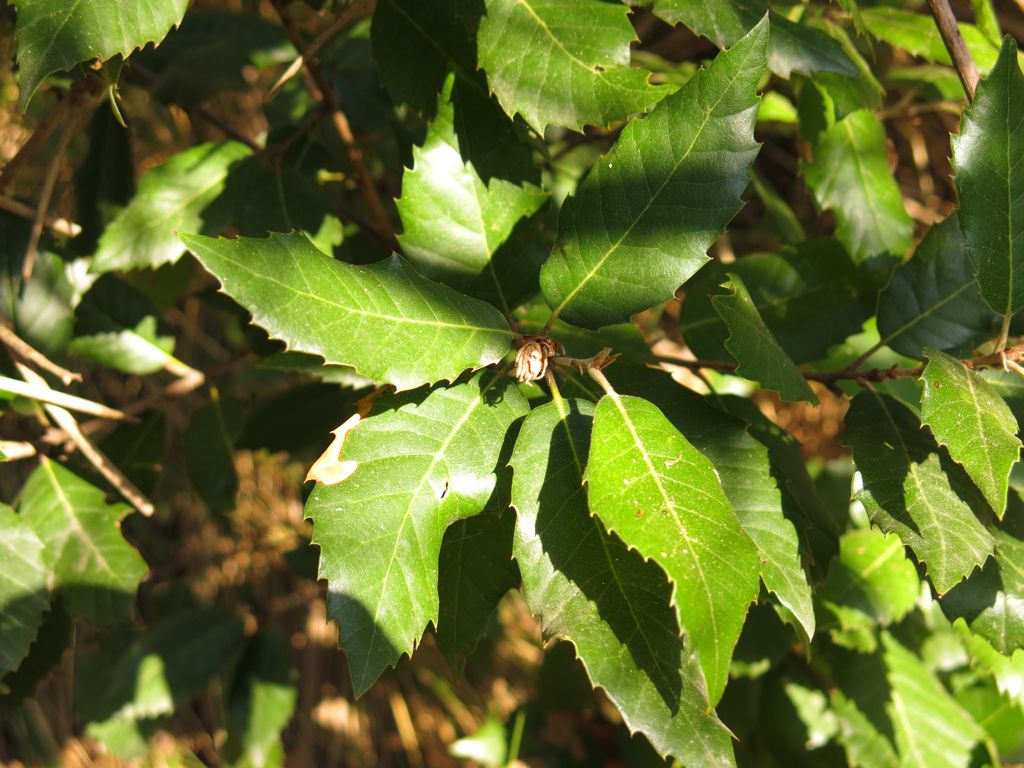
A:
[44,394]
[43,206]
[322,90]
[29,354]
[96,457]
[965,66]
[58,225]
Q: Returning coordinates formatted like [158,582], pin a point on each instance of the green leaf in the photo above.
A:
[55,35]
[52,639]
[969,417]
[261,702]
[933,299]
[422,462]
[654,490]
[118,327]
[744,469]
[932,729]
[810,298]
[475,571]
[757,353]
[1006,669]
[991,601]
[24,597]
[870,584]
[209,452]
[171,198]
[417,42]
[990,182]
[917,33]
[167,664]
[791,46]
[863,743]
[95,570]
[456,224]
[850,176]
[642,221]
[383,319]
[592,590]
[912,488]
[543,64]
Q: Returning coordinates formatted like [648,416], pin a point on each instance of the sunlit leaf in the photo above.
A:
[23,591]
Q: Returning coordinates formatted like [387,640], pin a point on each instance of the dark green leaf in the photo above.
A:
[646,214]
[546,66]
[991,601]
[969,417]
[54,35]
[932,730]
[105,181]
[990,182]
[810,298]
[850,176]
[261,702]
[865,745]
[94,569]
[209,453]
[384,320]
[791,46]
[23,592]
[456,223]
[171,198]
[913,488]
[654,490]
[53,638]
[870,584]
[475,572]
[918,34]
[592,590]
[421,463]
[758,355]
[933,299]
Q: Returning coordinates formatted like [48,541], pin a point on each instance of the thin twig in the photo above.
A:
[63,419]
[29,354]
[43,206]
[360,9]
[39,137]
[954,41]
[15,451]
[44,394]
[57,224]
[323,90]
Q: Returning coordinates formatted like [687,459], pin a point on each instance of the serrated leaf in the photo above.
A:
[744,469]
[1006,669]
[52,639]
[850,176]
[455,223]
[562,62]
[791,46]
[661,496]
[590,589]
[475,571]
[809,297]
[95,570]
[382,319]
[990,182]
[969,417]
[260,703]
[991,601]
[933,299]
[167,664]
[758,355]
[912,488]
[55,35]
[24,597]
[864,744]
[918,34]
[171,199]
[870,584]
[642,221]
[422,462]
[932,729]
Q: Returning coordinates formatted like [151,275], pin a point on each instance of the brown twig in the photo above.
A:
[35,142]
[29,354]
[58,225]
[63,419]
[43,206]
[360,9]
[954,41]
[322,90]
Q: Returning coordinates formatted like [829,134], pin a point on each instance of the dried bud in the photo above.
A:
[532,358]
